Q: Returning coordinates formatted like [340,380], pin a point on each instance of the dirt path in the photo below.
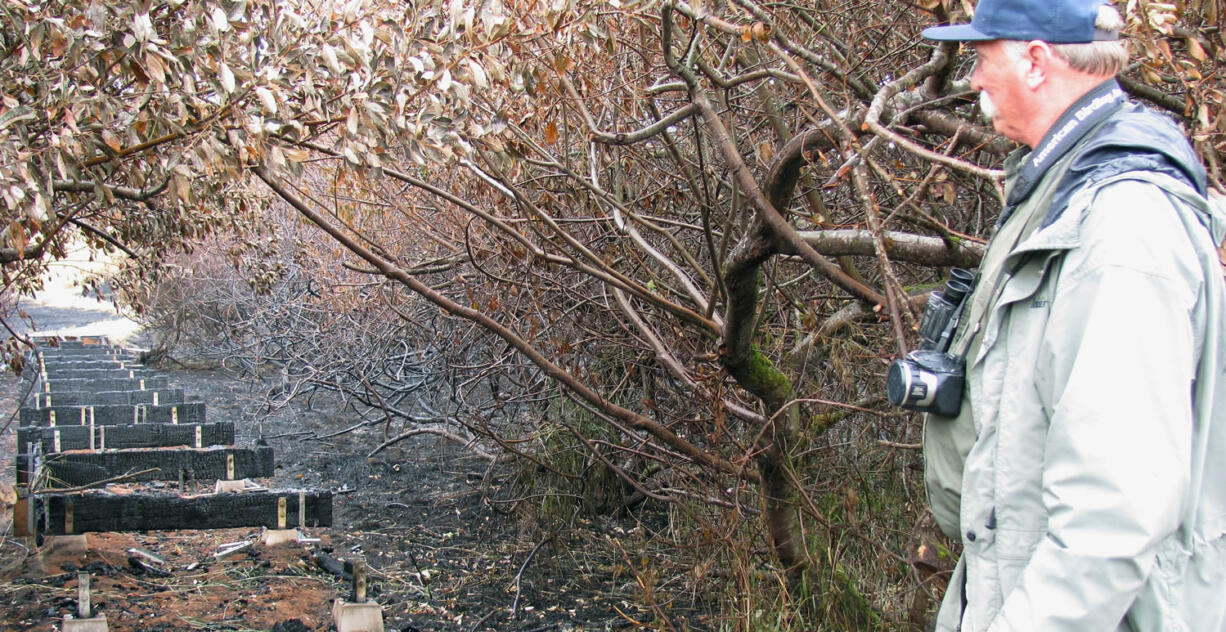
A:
[437,527]
[66,306]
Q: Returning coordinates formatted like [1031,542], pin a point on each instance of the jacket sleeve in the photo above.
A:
[1120,356]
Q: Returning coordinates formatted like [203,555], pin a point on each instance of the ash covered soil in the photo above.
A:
[446,542]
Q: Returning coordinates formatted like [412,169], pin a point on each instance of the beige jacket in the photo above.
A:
[1087,478]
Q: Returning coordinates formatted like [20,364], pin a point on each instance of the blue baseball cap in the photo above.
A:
[1053,21]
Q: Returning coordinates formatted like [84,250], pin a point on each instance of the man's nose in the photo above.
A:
[976,84]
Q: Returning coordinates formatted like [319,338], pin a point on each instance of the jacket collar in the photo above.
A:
[1026,170]
[1064,232]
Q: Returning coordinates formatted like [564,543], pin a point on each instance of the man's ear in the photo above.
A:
[1041,57]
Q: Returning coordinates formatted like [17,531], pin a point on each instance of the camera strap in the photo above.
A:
[1079,120]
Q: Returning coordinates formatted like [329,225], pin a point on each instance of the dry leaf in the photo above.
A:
[155,68]
[1195,50]
[111,140]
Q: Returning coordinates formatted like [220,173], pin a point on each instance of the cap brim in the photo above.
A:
[956,33]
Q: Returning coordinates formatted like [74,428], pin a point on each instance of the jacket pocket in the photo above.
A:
[1014,548]
[946,443]
[1161,603]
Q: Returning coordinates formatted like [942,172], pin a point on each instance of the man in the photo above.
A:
[1086,472]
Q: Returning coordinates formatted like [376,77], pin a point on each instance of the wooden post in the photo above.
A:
[83,605]
[359,581]
[85,621]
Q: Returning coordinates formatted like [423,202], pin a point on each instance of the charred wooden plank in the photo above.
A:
[64,514]
[61,438]
[158,396]
[95,373]
[73,469]
[72,342]
[79,358]
[48,361]
[87,384]
[33,368]
[113,415]
[84,353]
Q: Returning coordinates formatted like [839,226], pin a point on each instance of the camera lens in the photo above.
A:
[910,385]
[898,383]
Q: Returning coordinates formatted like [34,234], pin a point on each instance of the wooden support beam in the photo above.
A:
[74,469]
[97,437]
[113,415]
[62,514]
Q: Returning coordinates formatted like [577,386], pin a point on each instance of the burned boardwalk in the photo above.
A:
[418,517]
[110,448]
[94,415]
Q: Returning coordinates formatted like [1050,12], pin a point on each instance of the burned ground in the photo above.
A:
[446,540]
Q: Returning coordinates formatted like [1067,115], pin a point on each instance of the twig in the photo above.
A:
[482,620]
[114,479]
[827,402]
[469,443]
[349,429]
[33,383]
[632,620]
[288,434]
[17,561]
[520,575]
[422,577]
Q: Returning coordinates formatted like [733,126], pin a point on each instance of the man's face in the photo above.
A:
[1000,78]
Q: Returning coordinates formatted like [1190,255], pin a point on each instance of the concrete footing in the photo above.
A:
[279,537]
[359,614]
[67,544]
[92,624]
[357,617]
[237,485]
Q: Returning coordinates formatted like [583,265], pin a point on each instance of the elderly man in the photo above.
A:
[1086,472]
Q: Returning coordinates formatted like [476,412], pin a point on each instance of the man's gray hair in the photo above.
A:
[1098,58]
[1095,58]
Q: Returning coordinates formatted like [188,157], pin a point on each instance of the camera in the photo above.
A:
[930,379]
